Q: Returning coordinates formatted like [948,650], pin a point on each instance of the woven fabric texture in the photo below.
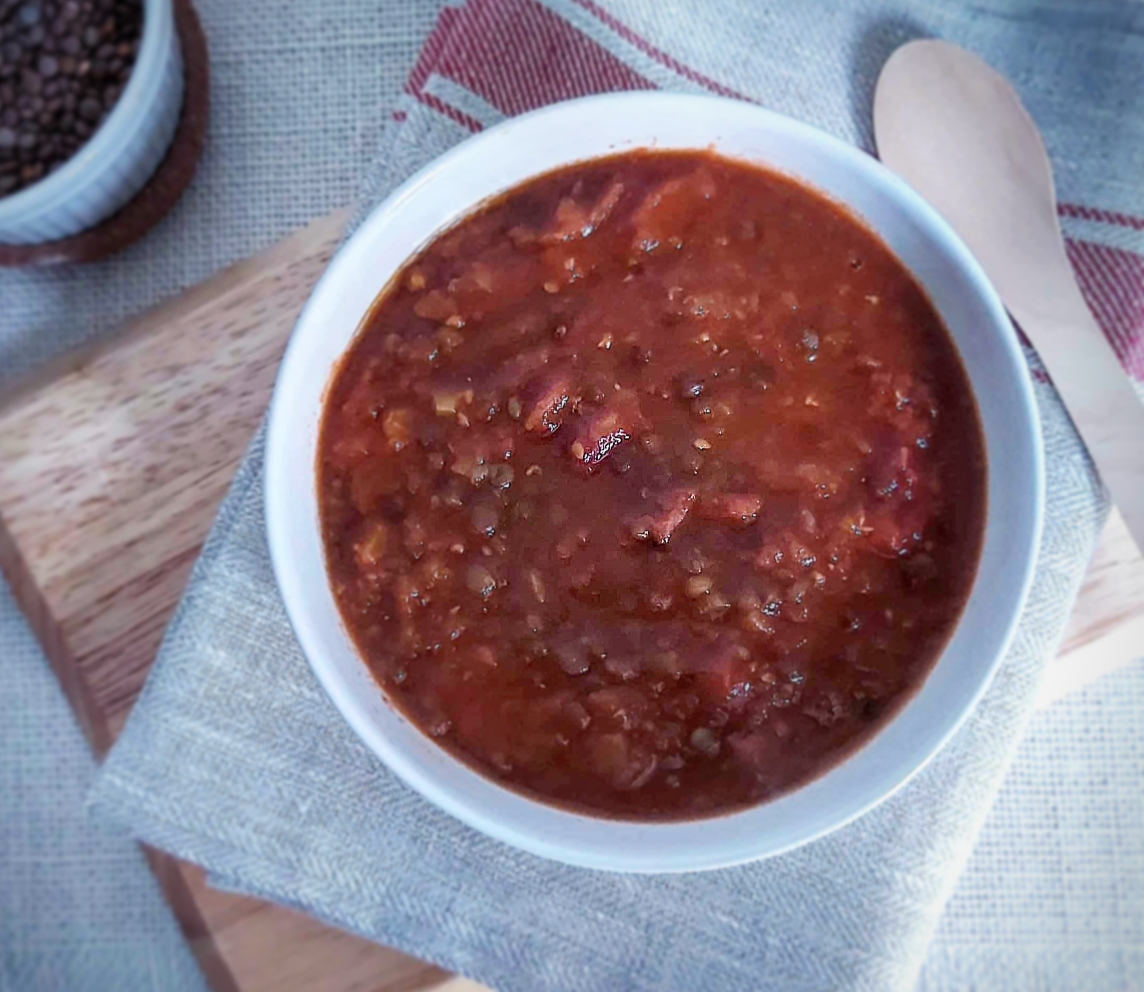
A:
[235,759]
[1053,896]
[79,910]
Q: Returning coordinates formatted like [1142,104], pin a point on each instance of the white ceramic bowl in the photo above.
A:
[120,157]
[503,157]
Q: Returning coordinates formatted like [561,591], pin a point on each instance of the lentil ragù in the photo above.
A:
[653,488]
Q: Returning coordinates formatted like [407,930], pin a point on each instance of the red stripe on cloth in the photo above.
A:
[1081,212]
[430,53]
[459,116]
[1112,281]
[518,55]
[658,54]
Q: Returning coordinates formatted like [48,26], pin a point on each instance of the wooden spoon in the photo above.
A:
[956,131]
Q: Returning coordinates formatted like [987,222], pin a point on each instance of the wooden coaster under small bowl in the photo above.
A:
[163,190]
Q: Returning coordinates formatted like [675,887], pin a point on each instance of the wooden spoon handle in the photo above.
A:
[1099,396]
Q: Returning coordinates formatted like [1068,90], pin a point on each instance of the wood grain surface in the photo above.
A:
[113,461]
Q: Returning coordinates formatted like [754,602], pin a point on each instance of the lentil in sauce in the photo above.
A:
[653,488]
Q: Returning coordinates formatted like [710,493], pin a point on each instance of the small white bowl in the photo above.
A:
[503,157]
[120,157]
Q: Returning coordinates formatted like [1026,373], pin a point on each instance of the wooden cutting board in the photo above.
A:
[113,461]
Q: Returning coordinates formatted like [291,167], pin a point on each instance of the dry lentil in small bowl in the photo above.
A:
[90,94]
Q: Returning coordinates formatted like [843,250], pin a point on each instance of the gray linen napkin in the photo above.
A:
[235,759]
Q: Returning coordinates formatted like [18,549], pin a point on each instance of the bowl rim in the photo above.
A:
[104,147]
[557,845]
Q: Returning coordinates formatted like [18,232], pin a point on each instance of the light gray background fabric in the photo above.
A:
[79,911]
[235,758]
[1052,896]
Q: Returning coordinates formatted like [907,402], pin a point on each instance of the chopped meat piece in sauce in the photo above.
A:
[653,488]
[546,410]
[605,428]
[731,508]
[573,220]
[660,525]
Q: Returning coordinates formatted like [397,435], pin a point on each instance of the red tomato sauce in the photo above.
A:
[654,488]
